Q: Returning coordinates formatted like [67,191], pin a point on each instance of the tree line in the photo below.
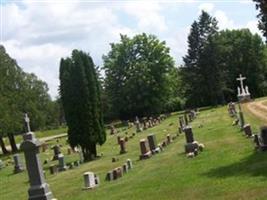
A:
[140,79]
[21,93]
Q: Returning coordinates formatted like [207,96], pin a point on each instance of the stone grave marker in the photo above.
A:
[115,174]
[145,152]
[129,163]
[39,189]
[247,130]
[57,151]
[125,168]
[18,167]
[61,163]
[122,146]
[53,169]
[109,176]
[2,164]
[89,180]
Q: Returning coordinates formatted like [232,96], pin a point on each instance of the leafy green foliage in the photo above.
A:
[21,92]
[137,72]
[80,95]
[261,5]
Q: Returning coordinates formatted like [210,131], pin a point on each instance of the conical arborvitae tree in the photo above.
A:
[80,95]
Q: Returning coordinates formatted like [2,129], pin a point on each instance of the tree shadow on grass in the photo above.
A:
[253,165]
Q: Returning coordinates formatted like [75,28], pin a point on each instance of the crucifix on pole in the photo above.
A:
[27,121]
[241,79]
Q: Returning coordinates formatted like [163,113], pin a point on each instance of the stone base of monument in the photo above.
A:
[40,193]
[146,155]
[244,98]
[191,147]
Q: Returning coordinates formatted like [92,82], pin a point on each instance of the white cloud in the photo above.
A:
[223,21]
[253,27]
[208,7]
[147,14]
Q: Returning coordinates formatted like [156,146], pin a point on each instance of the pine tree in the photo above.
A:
[200,72]
[80,95]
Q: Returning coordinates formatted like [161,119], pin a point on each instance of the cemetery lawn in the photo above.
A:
[228,168]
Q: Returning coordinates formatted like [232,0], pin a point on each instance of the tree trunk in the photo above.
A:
[3,147]
[89,153]
[12,143]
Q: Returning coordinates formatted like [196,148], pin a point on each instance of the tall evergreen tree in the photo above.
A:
[261,5]
[80,95]
[200,75]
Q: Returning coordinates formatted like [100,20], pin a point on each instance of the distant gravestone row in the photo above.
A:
[119,171]
[184,120]
[149,146]
[145,123]
[259,139]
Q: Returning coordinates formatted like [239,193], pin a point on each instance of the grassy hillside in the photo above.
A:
[229,168]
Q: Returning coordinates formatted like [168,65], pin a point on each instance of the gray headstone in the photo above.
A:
[109,176]
[129,163]
[152,141]
[189,134]
[2,164]
[57,151]
[39,189]
[61,163]
[17,164]
[125,168]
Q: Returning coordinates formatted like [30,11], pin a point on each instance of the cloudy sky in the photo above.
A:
[37,33]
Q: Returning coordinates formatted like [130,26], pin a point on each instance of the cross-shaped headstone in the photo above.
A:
[27,121]
[241,79]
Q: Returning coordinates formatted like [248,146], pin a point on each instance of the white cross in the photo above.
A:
[241,79]
[27,120]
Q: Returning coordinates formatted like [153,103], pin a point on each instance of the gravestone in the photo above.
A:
[17,164]
[53,169]
[119,172]
[39,189]
[44,147]
[125,168]
[81,156]
[181,122]
[169,140]
[191,146]
[112,130]
[57,151]
[263,138]
[118,139]
[122,146]
[89,180]
[189,134]
[69,151]
[109,176]
[61,163]
[145,152]
[247,130]
[2,164]
[152,142]
[129,163]
[185,119]
[231,109]
[76,163]
[115,174]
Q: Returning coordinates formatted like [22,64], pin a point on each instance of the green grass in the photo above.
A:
[40,134]
[229,168]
